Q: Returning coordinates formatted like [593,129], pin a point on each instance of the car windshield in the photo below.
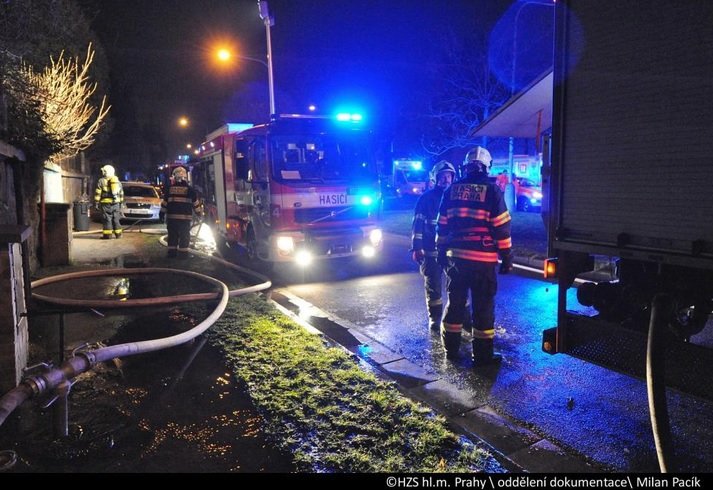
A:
[139,191]
[341,157]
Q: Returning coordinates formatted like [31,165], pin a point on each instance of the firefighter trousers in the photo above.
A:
[179,237]
[111,225]
[480,280]
[432,274]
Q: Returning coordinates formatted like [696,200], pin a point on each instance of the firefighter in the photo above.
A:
[179,202]
[473,230]
[423,240]
[108,198]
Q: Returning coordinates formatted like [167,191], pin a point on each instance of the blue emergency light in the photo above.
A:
[366,200]
[349,117]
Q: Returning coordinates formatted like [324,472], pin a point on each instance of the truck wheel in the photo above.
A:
[251,246]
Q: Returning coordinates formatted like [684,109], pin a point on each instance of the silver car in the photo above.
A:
[141,201]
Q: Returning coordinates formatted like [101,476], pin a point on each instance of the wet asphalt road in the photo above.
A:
[596,412]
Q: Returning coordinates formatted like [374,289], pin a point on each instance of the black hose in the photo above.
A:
[13,399]
[662,308]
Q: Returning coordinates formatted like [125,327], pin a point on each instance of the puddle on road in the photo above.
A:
[177,410]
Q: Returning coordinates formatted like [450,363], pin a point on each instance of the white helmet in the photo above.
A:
[442,166]
[107,171]
[179,173]
[477,160]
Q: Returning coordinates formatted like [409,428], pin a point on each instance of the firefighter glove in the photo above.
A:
[96,206]
[418,256]
[506,262]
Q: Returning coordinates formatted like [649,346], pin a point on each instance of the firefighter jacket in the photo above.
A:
[109,191]
[474,222]
[180,200]
[423,229]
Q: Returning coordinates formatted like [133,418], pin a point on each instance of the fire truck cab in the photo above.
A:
[295,189]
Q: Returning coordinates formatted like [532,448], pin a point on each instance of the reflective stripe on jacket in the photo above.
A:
[109,191]
[423,228]
[474,222]
[180,200]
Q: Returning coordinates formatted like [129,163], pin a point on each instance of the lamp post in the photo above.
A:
[511,142]
[269,21]
[524,4]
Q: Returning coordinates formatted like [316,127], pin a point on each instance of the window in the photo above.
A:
[258,160]
[339,157]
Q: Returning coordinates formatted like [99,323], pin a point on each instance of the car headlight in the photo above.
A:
[375,237]
[368,251]
[537,195]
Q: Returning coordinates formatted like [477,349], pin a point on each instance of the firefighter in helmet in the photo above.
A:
[473,230]
[108,196]
[423,240]
[179,202]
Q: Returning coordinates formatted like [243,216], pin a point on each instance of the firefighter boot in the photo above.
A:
[483,354]
[435,313]
[451,343]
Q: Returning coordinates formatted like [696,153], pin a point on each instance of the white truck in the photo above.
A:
[408,178]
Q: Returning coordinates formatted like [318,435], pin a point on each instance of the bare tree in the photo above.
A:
[63,92]
[466,94]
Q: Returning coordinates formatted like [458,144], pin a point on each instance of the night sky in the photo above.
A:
[374,55]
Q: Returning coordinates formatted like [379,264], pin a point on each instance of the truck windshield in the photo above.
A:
[342,157]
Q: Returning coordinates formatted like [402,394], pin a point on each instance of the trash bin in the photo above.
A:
[81,214]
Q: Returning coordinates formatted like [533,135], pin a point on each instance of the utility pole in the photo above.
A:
[269,21]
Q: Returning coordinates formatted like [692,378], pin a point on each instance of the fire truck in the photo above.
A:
[295,189]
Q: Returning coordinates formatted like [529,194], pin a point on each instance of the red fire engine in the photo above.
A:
[292,190]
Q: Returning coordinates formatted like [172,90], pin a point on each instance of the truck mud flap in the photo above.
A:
[689,367]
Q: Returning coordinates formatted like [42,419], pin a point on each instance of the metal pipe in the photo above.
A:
[661,310]
[60,410]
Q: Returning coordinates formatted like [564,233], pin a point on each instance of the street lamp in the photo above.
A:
[224,55]
[269,21]
[183,121]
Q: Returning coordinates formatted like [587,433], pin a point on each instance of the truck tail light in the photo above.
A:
[550,269]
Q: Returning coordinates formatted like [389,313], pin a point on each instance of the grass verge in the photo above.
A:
[332,415]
